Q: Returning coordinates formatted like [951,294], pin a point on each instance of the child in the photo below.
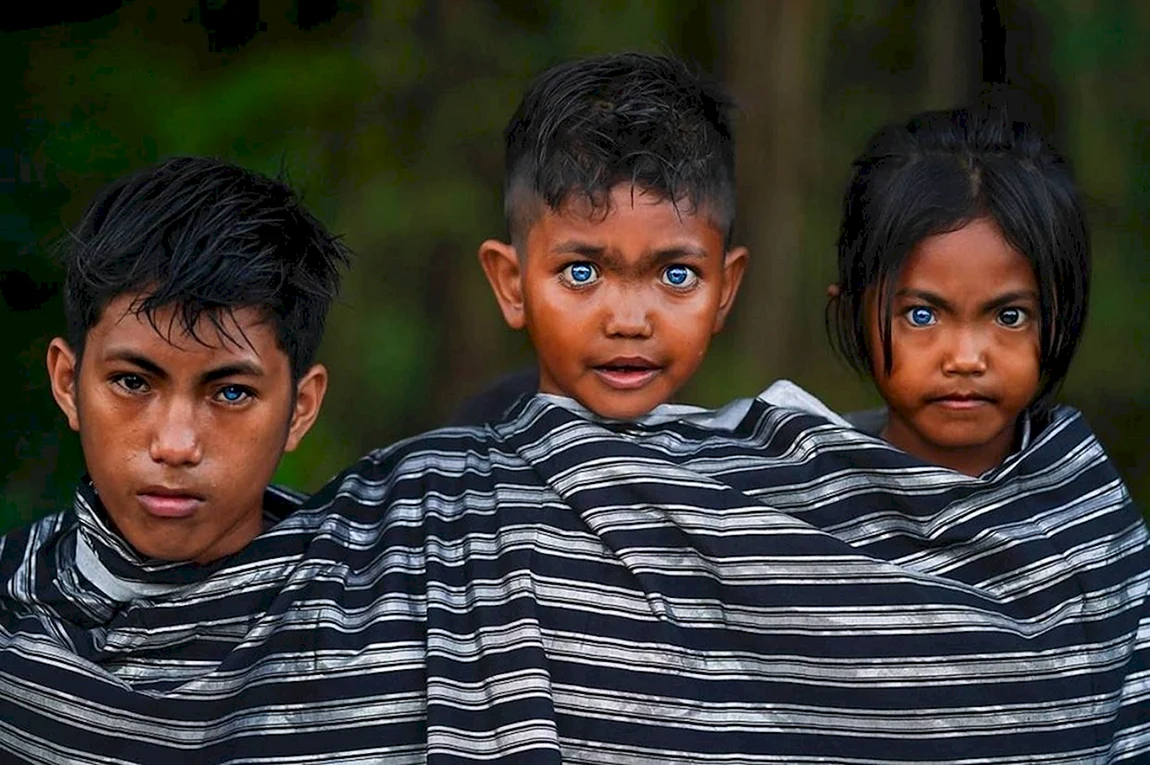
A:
[964,273]
[195,297]
[619,196]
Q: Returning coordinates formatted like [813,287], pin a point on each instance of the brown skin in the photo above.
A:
[621,306]
[181,438]
[965,342]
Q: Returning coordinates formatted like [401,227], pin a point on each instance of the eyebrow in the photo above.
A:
[237,369]
[938,301]
[930,298]
[602,255]
[234,369]
[1007,298]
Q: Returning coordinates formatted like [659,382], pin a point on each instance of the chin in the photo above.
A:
[959,440]
[621,411]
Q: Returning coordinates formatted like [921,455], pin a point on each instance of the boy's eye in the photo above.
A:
[680,277]
[130,383]
[233,394]
[1012,317]
[580,273]
[920,316]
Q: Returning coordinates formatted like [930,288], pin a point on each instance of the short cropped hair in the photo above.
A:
[207,237]
[933,175]
[585,126]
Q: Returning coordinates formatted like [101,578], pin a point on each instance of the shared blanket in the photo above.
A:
[762,586]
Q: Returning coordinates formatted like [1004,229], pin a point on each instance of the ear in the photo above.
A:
[309,395]
[62,375]
[500,263]
[734,265]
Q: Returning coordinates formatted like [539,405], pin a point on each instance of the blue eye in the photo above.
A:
[680,276]
[1012,317]
[920,316]
[234,394]
[581,273]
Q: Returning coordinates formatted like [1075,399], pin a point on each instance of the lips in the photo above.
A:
[169,502]
[962,400]
[627,372]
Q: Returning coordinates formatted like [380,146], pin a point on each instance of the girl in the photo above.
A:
[964,274]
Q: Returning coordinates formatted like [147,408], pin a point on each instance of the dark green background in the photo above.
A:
[388,115]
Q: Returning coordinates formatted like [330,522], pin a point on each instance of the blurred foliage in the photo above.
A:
[388,117]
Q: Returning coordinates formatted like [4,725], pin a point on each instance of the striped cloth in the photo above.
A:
[555,589]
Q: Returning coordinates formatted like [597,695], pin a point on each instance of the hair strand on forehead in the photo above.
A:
[207,238]
[587,126]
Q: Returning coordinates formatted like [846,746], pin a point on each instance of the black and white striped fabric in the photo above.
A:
[555,589]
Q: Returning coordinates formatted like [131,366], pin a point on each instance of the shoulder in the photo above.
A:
[788,395]
[869,421]
[445,461]
[22,544]
[494,401]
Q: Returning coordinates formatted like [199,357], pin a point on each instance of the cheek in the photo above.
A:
[111,430]
[687,326]
[256,443]
[1021,359]
[556,318]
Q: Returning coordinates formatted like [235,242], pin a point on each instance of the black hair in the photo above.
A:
[208,237]
[585,126]
[933,175]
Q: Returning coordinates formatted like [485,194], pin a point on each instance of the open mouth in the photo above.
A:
[627,373]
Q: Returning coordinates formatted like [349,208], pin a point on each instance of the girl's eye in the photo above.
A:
[920,316]
[130,383]
[580,274]
[1012,317]
[680,277]
[234,394]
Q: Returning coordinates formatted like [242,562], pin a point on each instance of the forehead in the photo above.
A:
[243,334]
[630,218]
[974,258]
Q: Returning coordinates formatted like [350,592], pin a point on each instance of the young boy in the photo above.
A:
[619,196]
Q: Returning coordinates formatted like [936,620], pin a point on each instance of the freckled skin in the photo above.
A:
[964,322]
[642,281]
[153,413]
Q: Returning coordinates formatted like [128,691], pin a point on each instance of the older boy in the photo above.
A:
[195,295]
[188,366]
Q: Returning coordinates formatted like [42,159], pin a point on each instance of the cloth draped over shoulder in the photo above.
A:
[758,585]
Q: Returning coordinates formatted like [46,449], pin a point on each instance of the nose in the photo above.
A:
[628,315]
[175,438]
[967,354]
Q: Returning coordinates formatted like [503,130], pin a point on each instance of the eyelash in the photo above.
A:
[566,278]
[692,277]
[248,394]
[118,381]
[1024,316]
[909,312]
